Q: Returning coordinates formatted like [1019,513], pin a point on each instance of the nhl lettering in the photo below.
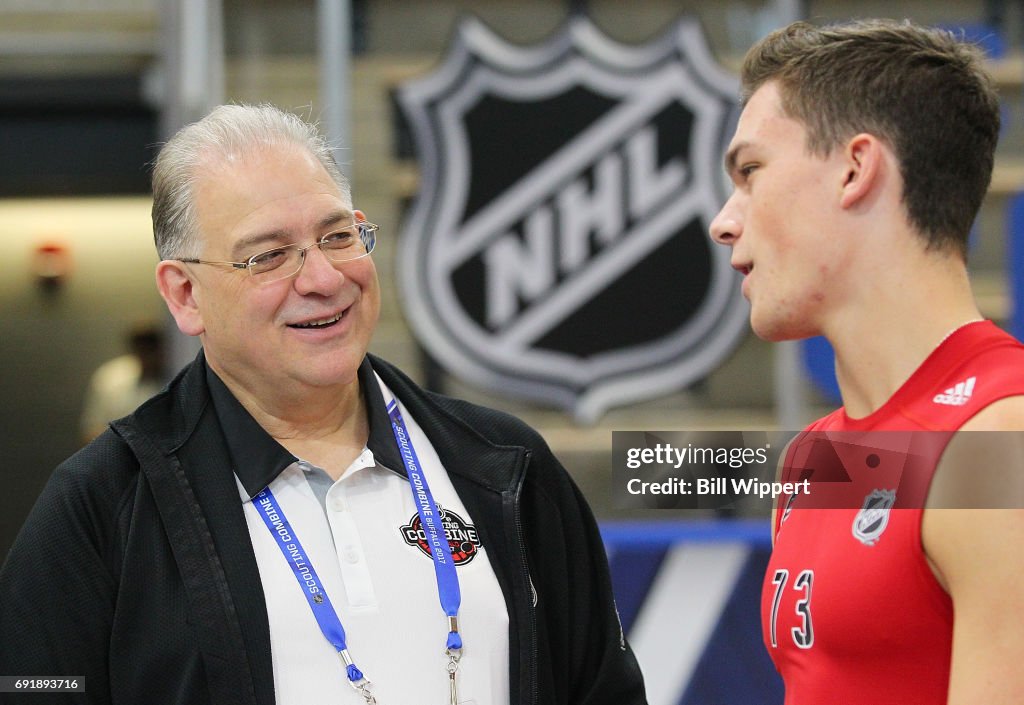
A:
[581,220]
[462,537]
[558,247]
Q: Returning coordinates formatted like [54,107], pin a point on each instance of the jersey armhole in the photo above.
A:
[938,598]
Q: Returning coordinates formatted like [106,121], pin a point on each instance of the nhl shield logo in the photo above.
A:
[558,248]
[873,517]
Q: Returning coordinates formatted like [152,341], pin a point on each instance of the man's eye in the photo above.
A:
[747,169]
[339,240]
[269,260]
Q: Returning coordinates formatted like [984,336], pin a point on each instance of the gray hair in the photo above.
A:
[227,130]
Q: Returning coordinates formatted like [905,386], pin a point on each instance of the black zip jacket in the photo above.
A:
[135,571]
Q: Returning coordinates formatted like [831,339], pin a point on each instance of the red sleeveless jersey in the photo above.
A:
[850,610]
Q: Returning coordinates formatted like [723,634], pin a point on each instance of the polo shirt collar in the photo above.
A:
[258,459]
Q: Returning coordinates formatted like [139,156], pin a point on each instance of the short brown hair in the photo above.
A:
[921,90]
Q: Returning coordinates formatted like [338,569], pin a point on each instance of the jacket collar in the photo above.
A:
[460,433]
[258,459]
[171,418]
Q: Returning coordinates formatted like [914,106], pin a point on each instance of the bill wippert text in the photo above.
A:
[719,487]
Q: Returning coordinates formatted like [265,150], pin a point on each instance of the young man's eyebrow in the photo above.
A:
[732,156]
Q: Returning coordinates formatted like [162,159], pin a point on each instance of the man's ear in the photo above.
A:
[175,284]
[863,157]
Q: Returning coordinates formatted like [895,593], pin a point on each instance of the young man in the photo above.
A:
[859,163]
[294,520]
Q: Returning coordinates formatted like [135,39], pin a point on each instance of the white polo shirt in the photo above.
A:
[362,536]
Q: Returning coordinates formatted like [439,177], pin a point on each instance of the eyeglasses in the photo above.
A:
[346,245]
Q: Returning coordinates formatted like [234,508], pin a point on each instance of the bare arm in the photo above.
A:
[973,534]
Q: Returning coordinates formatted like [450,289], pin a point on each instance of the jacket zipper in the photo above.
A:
[531,613]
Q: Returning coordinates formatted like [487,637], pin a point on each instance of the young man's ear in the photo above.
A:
[175,284]
[863,159]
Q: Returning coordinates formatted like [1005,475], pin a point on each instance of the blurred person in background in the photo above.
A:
[120,385]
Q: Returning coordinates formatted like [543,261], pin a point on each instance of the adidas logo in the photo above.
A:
[958,395]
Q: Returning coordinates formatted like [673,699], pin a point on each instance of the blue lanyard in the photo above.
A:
[323,611]
[440,550]
[326,616]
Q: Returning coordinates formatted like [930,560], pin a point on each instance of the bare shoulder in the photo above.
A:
[972,530]
[976,500]
[1004,415]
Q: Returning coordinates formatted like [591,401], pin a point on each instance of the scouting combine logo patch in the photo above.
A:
[558,246]
[462,536]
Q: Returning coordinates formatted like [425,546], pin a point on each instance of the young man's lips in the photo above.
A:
[745,270]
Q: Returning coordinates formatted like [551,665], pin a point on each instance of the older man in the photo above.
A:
[293,520]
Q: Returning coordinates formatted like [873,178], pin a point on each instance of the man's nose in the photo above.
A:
[726,226]
[317,272]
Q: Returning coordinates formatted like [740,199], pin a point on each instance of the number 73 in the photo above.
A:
[803,635]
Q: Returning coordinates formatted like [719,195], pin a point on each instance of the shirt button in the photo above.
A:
[351,555]
[338,504]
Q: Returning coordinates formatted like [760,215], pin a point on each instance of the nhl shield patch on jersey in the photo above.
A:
[873,517]
[557,249]
[461,535]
